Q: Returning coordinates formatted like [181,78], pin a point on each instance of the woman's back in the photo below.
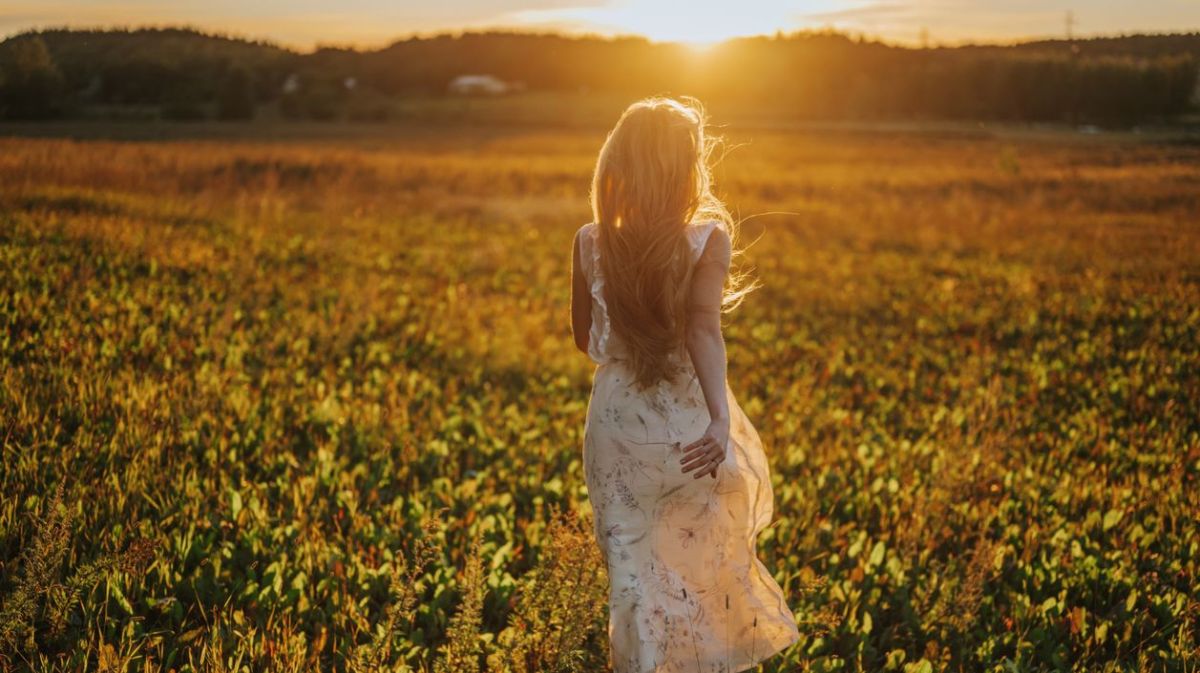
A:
[603,344]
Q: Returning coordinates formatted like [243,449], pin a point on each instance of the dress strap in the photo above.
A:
[699,234]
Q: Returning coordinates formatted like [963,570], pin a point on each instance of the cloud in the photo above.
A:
[877,10]
[948,21]
[298,22]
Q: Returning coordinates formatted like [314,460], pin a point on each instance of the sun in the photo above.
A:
[699,24]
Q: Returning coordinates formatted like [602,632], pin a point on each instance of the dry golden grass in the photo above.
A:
[313,373]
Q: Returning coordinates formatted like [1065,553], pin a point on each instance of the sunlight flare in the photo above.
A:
[699,24]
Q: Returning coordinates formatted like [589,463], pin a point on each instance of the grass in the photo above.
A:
[326,391]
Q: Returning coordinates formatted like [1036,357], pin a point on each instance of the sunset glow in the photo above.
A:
[700,24]
[303,24]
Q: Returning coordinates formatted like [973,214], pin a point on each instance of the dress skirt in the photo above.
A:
[687,592]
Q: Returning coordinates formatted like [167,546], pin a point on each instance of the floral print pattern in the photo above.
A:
[687,592]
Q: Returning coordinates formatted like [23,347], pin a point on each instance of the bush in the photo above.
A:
[183,110]
[30,82]
[236,97]
[322,105]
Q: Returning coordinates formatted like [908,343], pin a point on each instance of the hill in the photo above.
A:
[183,73]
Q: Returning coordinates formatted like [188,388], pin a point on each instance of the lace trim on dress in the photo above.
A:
[698,247]
[598,291]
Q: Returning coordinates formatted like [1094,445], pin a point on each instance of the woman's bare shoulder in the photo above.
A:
[718,247]
[582,240]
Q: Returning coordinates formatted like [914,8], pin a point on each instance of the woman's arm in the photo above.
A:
[707,349]
[581,299]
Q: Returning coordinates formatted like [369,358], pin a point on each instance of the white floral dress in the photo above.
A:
[687,591]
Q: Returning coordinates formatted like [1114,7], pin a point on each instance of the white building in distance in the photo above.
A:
[478,84]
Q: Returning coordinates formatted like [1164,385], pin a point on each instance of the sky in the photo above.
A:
[303,24]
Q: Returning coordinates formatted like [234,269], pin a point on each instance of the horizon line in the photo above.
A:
[861,36]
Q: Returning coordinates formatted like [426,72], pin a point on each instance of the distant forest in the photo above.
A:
[186,74]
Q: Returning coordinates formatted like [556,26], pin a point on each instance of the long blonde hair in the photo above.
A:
[653,179]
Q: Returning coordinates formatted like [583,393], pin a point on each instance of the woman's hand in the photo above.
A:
[706,453]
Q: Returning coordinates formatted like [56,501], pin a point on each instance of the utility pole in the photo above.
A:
[924,38]
[1073,107]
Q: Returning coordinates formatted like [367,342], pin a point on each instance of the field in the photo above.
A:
[314,403]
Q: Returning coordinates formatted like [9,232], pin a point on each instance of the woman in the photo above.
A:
[676,474]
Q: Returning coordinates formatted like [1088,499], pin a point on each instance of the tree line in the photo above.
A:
[186,74]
